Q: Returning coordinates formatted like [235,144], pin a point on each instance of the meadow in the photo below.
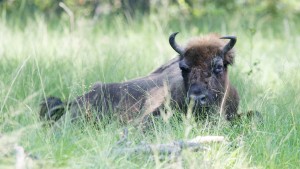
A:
[39,59]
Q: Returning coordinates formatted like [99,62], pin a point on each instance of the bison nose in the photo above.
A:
[202,99]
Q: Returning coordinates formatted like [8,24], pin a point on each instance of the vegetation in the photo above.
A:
[42,56]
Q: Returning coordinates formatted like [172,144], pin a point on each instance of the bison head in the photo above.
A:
[204,63]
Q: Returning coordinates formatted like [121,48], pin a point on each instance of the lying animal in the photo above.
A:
[198,74]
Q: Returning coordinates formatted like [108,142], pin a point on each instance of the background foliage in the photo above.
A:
[92,8]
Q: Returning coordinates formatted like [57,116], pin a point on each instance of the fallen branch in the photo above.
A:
[208,139]
[175,147]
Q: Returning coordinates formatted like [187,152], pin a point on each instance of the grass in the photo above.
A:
[37,60]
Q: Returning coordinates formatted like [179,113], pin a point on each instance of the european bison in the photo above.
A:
[200,72]
[204,64]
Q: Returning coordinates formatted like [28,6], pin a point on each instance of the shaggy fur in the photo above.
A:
[201,56]
[137,98]
[201,49]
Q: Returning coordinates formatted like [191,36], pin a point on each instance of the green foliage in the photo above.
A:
[194,8]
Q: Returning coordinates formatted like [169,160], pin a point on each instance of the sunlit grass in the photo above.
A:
[36,61]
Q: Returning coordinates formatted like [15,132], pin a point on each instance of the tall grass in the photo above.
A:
[39,60]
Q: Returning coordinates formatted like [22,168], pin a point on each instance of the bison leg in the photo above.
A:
[154,101]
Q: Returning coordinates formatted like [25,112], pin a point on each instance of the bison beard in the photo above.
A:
[198,74]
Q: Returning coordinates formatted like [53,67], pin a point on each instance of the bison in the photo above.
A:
[198,74]
[204,66]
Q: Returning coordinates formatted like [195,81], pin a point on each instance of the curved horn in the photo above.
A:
[229,45]
[174,45]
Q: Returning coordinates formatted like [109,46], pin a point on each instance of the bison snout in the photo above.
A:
[200,99]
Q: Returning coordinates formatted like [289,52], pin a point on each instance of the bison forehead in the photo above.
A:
[199,74]
[202,64]
[197,54]
[206,41]
[203,49]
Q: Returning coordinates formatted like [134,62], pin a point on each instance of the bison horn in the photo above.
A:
[229,45]
[174,45]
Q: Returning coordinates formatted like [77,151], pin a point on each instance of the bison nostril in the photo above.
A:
[202,99]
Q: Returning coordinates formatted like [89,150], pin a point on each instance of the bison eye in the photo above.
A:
[218,69]
[184,67]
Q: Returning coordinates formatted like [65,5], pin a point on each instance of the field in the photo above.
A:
[38,59]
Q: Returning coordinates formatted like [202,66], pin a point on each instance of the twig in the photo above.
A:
[170,148]
[208,139]
[70,13]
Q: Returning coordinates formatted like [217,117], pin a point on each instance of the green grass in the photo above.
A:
[38,60]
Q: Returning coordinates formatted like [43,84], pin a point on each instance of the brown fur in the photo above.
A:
[200,49]
[139,97]
[199,55]
[127,101]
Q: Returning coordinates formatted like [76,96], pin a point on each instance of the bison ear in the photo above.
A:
[184,67]
[229,57]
